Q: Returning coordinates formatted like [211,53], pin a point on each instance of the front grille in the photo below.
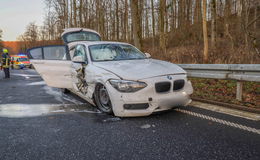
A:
[178,84]
[161,87]
[136,106]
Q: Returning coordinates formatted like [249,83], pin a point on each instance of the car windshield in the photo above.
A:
[114,52]
[22,59]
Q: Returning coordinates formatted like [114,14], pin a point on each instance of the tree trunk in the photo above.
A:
[140,13]
[255,15]
[117,21]
[80,13]
[188,8]
[153,19]
[213,24]
[136,24]
[126,22]
[173,15]
[166,23]
[147,33]
[75,13]
[153,22]
[71,14]
[162,26]
[179,14]
[205,32]
[227,13]
[102,20]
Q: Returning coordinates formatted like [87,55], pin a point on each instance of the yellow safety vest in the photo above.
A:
[6,61]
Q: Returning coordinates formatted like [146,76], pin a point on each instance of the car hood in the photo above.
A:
[140,69]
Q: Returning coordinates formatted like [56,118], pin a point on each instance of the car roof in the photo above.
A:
[88,43]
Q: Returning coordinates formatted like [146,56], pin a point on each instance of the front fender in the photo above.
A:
[96,75]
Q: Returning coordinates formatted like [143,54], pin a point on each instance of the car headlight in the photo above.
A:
[127,86]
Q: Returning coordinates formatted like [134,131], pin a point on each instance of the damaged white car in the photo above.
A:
[116,77]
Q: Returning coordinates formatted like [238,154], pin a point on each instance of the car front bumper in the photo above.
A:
[25,65]
[146,101]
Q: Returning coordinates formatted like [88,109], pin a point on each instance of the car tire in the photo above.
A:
[65,91]
[102,99]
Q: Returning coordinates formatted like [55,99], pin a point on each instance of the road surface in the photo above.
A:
[39,122]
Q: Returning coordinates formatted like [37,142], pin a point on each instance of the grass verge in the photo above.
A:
[225,91]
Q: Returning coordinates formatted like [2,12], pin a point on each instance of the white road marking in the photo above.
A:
[221,121]
[225,110]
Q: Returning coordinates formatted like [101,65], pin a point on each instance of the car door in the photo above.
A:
[53,63]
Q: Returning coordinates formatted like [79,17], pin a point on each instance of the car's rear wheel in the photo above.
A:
[102,99]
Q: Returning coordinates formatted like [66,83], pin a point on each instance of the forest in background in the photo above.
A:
[1,45]
[180,31]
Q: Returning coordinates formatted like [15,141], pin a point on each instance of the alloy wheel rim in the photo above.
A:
[104,98]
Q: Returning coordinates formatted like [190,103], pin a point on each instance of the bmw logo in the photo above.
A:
[169,77]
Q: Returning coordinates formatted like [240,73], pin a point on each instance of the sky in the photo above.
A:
[15,15]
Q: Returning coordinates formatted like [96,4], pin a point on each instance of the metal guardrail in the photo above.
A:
[239,72]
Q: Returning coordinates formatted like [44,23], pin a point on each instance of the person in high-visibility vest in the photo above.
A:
[5,63]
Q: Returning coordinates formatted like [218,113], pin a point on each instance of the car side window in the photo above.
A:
[80,51]
[53,52]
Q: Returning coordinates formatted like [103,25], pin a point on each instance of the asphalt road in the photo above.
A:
[39,122]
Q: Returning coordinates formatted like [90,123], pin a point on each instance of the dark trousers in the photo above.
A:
[7,72]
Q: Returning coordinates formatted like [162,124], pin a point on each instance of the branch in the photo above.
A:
[252,21]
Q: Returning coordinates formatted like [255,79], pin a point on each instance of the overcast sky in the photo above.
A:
[16,14]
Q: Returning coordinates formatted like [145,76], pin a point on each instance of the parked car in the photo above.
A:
[116,77]
[20,62]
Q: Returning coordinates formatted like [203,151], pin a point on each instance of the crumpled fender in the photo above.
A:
[95,75]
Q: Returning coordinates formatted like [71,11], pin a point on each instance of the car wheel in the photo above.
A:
[102,99]
[65,91]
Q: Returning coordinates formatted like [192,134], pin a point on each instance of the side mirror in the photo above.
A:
[148,55]
[78,59]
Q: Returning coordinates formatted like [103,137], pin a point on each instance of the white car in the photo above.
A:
[116,77]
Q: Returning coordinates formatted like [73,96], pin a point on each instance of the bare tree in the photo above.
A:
[177,23]
[136,25]
[1,34]
[30,36]
[74,3]
[162,26]
[213,23]
[153,21]
[205,32]
[81,13]
[126,37]
[117,20]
